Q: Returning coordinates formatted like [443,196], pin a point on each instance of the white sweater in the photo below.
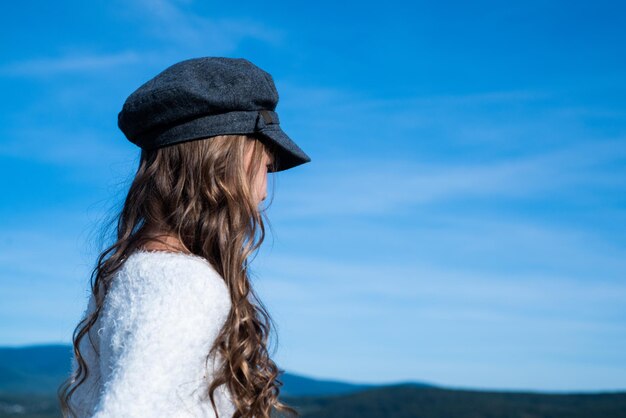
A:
[159,320]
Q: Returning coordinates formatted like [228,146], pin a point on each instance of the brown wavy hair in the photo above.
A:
[200,192]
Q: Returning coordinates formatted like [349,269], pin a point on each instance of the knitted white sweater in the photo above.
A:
[158,322]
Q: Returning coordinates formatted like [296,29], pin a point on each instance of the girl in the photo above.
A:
[170,330]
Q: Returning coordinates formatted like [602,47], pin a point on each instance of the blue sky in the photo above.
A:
[463,219]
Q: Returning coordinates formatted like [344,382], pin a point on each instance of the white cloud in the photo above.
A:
[86,156]
[174,23]
[72,63]
[301,279]
[415,315]
[362,186]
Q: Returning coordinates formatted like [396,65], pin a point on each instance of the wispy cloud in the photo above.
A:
[339,99]
[167,21]
[492,122]
[425,313]
[174,23]
[91,153]
[415,285]
[376,185]
[73,63]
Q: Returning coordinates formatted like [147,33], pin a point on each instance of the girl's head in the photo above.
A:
[206,193]
[178,187]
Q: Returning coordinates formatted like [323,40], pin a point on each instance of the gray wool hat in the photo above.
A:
[203,97]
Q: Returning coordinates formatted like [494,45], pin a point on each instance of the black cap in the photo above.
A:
[203,97]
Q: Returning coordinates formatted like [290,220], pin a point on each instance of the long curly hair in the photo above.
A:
[200,192]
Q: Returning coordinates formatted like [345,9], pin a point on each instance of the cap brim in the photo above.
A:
[288,153]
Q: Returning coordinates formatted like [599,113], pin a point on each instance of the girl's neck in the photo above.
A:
[170,243]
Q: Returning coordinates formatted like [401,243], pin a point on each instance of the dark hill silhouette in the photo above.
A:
[34,369]
[30,375]
[410,401]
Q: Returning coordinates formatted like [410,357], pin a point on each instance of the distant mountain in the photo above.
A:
[34,369]
[410,401]
[29,377]
[400,401]
[295,385]
[42,368]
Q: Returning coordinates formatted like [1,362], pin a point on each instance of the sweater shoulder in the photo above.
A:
[160,317]
[158,277]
